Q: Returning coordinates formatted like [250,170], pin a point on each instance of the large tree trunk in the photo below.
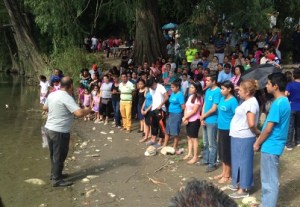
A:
[149,43]
[29,57]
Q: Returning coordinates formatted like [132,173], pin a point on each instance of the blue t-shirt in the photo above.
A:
[212,97]
[294,89]
[148,100]
[280,115]
[226,110]
[224,76]
[176,100]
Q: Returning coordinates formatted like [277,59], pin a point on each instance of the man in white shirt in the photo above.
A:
[159,98]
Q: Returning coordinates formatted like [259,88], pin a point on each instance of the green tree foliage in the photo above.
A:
[62,24]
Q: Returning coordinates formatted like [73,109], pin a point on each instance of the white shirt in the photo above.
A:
[61,107]
[184,86]
[94,41]
[158,97]
[44,86]
[239,127]
[263,60]
[105,90]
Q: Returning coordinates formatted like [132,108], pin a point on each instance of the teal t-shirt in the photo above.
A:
[148,100]
[176,100]
[212,97]
[280,115]
[226,110]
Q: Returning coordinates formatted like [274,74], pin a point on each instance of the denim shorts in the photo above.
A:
[174,124]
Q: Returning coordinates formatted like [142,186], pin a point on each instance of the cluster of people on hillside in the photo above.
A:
[110,46]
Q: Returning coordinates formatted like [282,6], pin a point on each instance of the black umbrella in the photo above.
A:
[260,73]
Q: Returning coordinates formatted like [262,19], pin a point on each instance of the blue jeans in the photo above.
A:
[294,129]
[210,144]
[116,107]
[269,179]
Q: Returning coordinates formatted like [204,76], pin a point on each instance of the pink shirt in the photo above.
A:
[189,107]
[87,100]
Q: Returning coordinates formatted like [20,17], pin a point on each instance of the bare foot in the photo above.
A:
[218,177]
[224,180]
[187,157]
[143,140]
[193,161]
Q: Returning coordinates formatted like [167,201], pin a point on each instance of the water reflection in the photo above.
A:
[21,152]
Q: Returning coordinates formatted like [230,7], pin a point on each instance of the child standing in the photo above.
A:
[87,102]
[44,84]
[141,99]
[176,108]
[80,95]
[192,119]
[95,103]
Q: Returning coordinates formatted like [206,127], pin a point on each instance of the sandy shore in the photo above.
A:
[109,169]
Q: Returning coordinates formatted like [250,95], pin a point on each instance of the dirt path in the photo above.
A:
[118,173]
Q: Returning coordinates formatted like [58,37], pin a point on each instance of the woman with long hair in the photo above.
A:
[226,110]
[192,120]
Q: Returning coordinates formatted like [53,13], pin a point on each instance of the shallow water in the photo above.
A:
[21,153]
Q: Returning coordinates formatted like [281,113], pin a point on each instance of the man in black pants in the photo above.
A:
[159,98]
[61,107]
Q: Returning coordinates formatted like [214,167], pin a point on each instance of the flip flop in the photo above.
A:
[149,143]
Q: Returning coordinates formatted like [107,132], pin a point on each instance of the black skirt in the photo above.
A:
[224,146]
[192,129]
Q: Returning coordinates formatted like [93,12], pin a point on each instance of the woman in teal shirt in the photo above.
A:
[226,110]
[175,109]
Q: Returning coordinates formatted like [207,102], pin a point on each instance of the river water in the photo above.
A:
[21,154]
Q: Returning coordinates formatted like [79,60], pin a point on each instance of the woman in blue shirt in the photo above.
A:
[226,110]
[175,109]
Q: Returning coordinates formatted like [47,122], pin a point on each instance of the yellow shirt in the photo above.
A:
[190,54]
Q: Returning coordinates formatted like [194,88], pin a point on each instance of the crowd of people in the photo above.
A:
[112,46]
[197,92]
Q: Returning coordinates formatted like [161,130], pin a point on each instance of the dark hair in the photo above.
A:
[229,85]
[1,203]
[227,65]
[66,82]
[198,77]
[201,193]
[43,78]
[151,82]
[177,83]
[143,81]
[124,73]
[184,74]
[289,76]
[105,76]
[242,69]
[296,73]
[278,79]
[198,93]
[212,77]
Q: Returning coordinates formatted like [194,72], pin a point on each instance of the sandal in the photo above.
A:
[149,143]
